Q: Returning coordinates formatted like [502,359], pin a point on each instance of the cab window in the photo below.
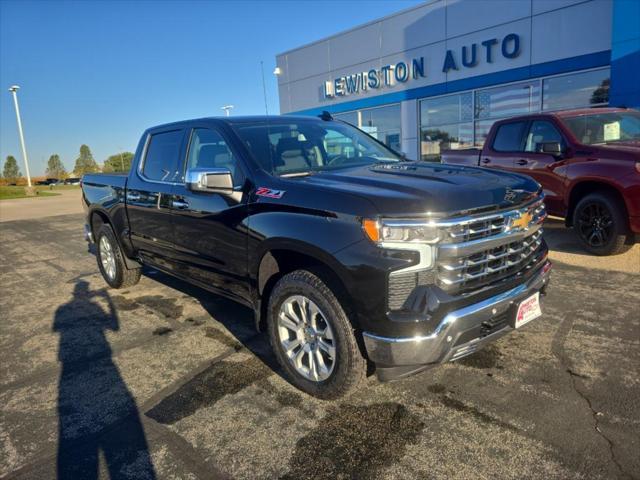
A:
[509,137]
[162,157]
[539,133]
[208,149]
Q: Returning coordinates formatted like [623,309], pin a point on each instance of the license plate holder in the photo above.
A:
[528,309]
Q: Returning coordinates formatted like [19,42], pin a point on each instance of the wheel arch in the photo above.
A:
[586,187]
[287,257]
[97,218]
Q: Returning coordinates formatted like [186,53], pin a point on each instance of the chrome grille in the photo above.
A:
[489,265]
[482,250]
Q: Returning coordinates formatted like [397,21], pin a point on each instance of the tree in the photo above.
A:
[85,162]
[55,168]
[120,162]
[11,172]
[601,94]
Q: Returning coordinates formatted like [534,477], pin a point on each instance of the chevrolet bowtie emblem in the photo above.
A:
[522,222]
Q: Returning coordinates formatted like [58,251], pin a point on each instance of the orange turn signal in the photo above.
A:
[371,229]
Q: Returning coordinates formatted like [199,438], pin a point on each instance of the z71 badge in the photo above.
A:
[269,192]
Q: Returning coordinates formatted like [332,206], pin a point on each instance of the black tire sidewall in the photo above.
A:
[298,283]
[116,282]
[618,234]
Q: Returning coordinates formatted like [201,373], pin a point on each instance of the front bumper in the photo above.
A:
[460,333]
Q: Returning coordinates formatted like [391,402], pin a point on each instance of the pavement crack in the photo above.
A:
[559,351]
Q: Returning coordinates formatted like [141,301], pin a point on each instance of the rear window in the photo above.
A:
[509,137]
[162,158]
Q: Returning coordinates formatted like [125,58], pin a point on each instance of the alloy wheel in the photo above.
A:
[306,338]
[595,224]
[107,258]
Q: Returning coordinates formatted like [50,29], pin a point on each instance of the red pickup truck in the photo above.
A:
[587,161]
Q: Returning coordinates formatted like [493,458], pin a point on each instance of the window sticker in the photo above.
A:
[611,131]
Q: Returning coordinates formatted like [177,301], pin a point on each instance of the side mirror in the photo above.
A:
[551,148]
[212,180]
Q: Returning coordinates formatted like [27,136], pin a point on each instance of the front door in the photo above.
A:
[547,170]
[210,232]
[148,198]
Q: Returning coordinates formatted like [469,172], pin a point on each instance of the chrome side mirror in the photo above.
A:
[212,180]
[551,148]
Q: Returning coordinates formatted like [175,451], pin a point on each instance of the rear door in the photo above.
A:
[505,146]
[149,193]
[546,169]
[210,231]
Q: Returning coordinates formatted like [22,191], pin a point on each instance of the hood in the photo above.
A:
[627,146]
[413,188]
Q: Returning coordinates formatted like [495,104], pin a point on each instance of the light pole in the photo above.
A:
[121,159]
[14,90]
[227,109]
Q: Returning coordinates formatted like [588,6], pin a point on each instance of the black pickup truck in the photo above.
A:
[348,254]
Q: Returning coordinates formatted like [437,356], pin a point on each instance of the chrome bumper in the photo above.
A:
[88,235]
[451,338]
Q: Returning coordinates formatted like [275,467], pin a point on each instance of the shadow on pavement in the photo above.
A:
[92,396]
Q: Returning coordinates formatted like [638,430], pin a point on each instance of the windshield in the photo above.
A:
[605,127]
[293,147]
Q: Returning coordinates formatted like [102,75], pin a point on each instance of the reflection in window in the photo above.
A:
[445,123]
[508,101]
[444,137]
[382,123]
[446,110]
[576,90]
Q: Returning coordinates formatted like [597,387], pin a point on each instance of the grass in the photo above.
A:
[11,192]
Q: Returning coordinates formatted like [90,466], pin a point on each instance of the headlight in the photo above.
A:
[401,231]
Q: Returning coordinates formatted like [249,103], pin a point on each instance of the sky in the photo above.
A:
[100,72]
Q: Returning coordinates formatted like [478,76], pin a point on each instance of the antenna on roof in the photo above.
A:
[326,116]
[227,109]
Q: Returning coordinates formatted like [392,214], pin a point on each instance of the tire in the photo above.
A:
[600,224]
[111,261]
[335,376]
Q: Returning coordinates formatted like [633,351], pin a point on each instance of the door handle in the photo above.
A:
[522,161]
[180,204]
[486,160]
[133,197]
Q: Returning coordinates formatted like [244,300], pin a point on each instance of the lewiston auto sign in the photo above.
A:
[401,72]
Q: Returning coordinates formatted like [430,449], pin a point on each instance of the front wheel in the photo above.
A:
[312,337]
[600,225]
[111,261]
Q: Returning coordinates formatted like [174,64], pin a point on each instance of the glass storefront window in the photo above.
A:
[444,137]
[508,101]
[445,123]
[349,117]
[482,128]
[382,123]
[576,90]
[446,110]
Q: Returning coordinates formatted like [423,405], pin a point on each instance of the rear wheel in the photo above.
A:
[312,337]
[111,261]
[600,224]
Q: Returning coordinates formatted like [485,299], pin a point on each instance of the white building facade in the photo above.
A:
[438,75]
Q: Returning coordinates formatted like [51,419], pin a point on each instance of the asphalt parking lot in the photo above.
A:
[164,380]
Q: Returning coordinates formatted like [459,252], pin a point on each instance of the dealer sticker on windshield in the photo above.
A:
[528,310]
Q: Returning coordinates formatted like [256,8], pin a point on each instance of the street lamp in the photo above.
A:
[14,90]
[227,109]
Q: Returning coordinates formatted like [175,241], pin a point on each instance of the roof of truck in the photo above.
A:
[239,119]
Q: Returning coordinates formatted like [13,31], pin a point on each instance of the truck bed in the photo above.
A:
[106,179]
[467,156]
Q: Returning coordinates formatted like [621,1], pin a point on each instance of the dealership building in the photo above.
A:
[438,75]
